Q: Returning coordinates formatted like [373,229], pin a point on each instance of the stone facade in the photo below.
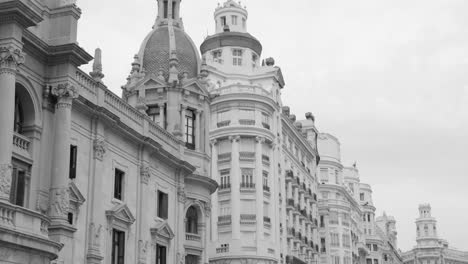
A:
[430,249]
[349,232]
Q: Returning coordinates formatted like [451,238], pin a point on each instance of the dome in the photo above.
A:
[156,50]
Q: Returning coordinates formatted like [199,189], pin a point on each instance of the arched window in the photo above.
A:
[19,116]
[191,224]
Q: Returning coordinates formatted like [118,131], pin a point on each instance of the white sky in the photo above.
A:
[389,78]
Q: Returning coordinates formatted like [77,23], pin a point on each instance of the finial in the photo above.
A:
[136,64]
[173,71]
[97,66]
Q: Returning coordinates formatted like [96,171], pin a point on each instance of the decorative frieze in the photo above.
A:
[5,181]
[10,59]
[65,93]
[145,174]
[100,148]
[142,251]
[181,193]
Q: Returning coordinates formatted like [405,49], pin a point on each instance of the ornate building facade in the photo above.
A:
[430,249]
[87,176]
[349,233]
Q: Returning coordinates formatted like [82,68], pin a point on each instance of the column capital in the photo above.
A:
[234,138]
[10,59]
[260,140]
[65,93]
[213,142]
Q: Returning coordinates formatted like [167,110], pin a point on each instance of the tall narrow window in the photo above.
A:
[190,129]
[162,205]
[361,196]
[223,21]
[118,247]
[244,23]
[173,9]
[73,157]
[18,186]
[225,179]
[166,7]
[191,223]
[118,184]
[19,117]
[237,57]
[160,254]
[234,20]
[247,178]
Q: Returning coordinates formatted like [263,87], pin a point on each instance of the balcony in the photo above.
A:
[225,188]
[21,146]
[247,156]
[226,157]
[193,240]
[248,219]
[223,123]
[192,237]
[246,122]
[247,187]
[223,249]
[26,231]
[224,220]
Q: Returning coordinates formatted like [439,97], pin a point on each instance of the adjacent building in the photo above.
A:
[430,249]
[348,230]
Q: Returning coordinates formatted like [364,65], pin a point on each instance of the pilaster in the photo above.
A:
[259,189]
[235,187]
[214,197]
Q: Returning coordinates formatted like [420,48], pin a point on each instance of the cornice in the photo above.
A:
[18,12]
[54,55]
[305,143]
[241,130]
[245,97]
[210,183]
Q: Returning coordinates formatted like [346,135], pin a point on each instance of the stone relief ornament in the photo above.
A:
[42,203]
[60,202]
[100,148]
[180,258]
[5,180]
[207,207]
[10,58]
[143,249]
[65,90]
[95,236]
[145,174]
[181,193]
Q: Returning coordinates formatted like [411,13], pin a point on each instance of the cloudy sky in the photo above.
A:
[389,78]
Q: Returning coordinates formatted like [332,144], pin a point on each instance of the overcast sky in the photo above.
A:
[389,78]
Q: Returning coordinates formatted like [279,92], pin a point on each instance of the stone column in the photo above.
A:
[214,197]
[10,59]
[235,187]
[161,116]
[259,188]
[198,130]
[59,197]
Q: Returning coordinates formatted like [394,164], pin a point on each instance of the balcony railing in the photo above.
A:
[246,122]
[224,123]
[247,156]
[20,219]
[223,249]
[21,145]
[248,218]
[192,237]
[224,220]
[247,186]
[225,187]
[225,157]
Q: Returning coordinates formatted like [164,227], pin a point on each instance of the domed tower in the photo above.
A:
[245,124]
[168,84]
[426,227]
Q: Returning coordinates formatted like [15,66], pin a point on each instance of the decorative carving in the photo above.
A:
[100,148]
[207,207]
[213,142]
[10,59]
[142,249]
[234,138]
[260,140]
[42,202]
[60,202]
[181,193]
[180,258]
[145,174]
[97,67]
[5,181]
[65,90]
[95,237]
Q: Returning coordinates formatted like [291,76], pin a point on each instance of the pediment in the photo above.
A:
[196,87]
[75,194]
[121,213]
[154,83]
[163,230]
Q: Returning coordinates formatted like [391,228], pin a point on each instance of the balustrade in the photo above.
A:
[192,237]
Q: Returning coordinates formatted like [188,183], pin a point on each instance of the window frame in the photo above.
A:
[163,257]
[190,128]
[119,182]
[118,237]
[73,161]
[237,56]
[163,205]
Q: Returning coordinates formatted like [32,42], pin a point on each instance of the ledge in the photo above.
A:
[231,39]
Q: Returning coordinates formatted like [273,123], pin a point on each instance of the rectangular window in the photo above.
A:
[223,21]
[375,247]
[234,20]
[217,56]
[118,184]
[247,178]
[160,254]
[70,218]
[324,175]
[118,247]
[190,129]
[173,9]
[225,179]
[266,120]
[18,187]
[323,247]
[162,205]
[166,7]
[154,113]
[73,156]
[265,181]
[368,261]
[361,196]
[237,57]
[376,261]
[335,239]
[254,60]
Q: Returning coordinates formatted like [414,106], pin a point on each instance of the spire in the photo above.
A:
[169,12]
[97,66]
